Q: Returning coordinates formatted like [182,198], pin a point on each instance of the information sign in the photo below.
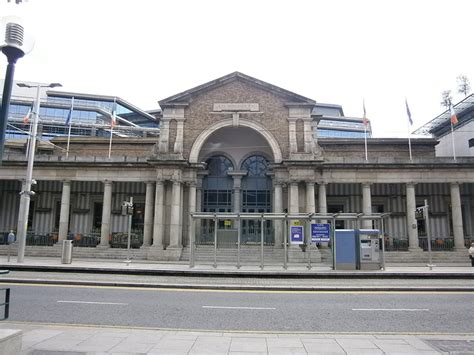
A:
[320,232]
[296,235]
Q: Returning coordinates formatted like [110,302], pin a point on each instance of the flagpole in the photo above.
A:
[452,136]
[409,123]
[112,123]
[69,130]
[365,138]
[110,140]
[365,129]
[453,120]
[409,140]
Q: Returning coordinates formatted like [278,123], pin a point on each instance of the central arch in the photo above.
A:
[201,139]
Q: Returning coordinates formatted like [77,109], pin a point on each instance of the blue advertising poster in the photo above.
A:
[296,235]
[320,232]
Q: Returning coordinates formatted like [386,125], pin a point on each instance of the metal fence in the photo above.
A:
[438,244]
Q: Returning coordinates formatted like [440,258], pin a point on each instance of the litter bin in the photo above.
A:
[66,256]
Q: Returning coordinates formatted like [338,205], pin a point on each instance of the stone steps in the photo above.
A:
[247,254]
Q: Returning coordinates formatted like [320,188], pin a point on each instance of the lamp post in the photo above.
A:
[26,192]
[13,49]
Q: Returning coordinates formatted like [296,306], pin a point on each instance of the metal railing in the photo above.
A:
[438,244]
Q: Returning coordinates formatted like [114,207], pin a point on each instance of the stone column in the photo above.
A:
[322,201]
[106,214]
[412,226]
[237,185]
[292,136]
[178,144]
[322,206]
[158,221]
[175,224]
[64,214]
[197,230]
[308,135]
[192,208]
[278,208]
[310,201]
[366,205]
[148,222]
[164,136]
[311,208]
[456,212]
[294,206]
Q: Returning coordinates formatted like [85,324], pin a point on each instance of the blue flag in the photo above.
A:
[408,113]
[69,115]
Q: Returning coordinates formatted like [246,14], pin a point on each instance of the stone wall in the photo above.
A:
[273,114]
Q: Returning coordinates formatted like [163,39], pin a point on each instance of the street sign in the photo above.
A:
[296,235]
[320,232]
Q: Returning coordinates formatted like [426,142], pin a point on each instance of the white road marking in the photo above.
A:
[251,308]
[392,309]
[86,302]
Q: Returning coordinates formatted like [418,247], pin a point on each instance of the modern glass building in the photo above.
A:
[333,123]
[91,115]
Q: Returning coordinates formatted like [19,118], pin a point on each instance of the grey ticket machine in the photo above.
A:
[369,253]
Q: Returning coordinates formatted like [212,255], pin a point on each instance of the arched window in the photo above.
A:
[256,165]
[219,165]
[256,197]
[217,195]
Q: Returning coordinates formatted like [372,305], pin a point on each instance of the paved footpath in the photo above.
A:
[49,339]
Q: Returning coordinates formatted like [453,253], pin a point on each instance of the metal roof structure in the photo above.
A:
[444,119]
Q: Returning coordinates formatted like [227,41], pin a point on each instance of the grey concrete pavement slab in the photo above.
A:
[353,344]
[131,346]
[248,344]
[324,347]
[364,352]
[211,344]
[99,342]
[176,346]
[287,351]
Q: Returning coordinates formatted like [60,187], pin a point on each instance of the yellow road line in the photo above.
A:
[172,289]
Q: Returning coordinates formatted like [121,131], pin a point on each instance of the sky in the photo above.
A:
[336,51]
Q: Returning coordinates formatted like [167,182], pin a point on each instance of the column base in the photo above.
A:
[415,249]
[170,254]
[314,252]
[103,246]
[295,254]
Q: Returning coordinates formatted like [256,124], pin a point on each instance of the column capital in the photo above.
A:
[365,183]
[66,182]
[322,182]
[279,183]
[107,182]
[411,183]
[191,183]
[310,183]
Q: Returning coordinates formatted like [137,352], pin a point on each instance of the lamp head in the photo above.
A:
[14,37]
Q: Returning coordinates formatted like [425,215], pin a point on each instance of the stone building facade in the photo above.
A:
[237,144]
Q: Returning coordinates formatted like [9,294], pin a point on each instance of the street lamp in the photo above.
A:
[14,46]
[26,192]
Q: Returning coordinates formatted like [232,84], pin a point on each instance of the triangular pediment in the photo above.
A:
[185,96]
